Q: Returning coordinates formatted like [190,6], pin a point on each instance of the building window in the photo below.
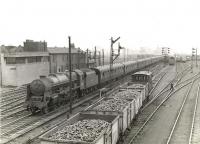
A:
[20,60]
[54,58]
[63,57]
[38,59]
[10,60]
[31,59]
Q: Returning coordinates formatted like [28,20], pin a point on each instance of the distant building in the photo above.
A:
[20,65]
[59,59]
[32,46]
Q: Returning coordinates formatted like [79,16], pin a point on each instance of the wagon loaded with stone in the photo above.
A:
[84,128]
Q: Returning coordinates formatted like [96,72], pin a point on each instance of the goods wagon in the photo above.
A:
[85,128]
[171,60]
[133,95]
[112,106]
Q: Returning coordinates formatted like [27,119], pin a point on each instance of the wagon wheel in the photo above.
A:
[44,110]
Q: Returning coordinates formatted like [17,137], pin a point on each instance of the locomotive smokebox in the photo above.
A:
[37,87]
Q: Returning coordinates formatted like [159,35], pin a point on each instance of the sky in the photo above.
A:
[142,25]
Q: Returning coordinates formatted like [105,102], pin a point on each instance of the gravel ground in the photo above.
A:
[158,129]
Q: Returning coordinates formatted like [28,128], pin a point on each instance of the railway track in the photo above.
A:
[13,91]
[151,108]
[12,102]
[181,131]
[27,122]
[195,126]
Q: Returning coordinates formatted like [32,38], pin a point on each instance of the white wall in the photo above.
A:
[19,74]
[28,72]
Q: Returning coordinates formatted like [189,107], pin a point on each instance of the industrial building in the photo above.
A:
[20,65]
[59,59]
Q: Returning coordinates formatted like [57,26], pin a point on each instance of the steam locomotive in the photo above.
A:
[52,91]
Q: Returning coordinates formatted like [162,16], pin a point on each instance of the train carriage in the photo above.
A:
[90,79]
[118,70]
[130,66]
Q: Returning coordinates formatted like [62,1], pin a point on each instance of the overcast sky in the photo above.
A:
[140,23]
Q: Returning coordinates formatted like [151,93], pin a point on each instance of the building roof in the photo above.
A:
[58,50]
[26,54]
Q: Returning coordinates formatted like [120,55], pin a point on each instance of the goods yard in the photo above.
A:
[133,109]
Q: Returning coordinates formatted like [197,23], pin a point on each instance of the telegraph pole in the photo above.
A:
[95,55]
[99,58]
[193,54]
[127,55]
[124,55]
[78,58]
[70,75]
[196,58]
[103,55]
[87,59]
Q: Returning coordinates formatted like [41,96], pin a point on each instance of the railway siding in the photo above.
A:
[181,132]
[195,131]
[159,126]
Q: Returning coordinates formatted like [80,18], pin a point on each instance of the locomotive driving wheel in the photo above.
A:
[33,110]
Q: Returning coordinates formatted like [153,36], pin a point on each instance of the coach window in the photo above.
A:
[10,60]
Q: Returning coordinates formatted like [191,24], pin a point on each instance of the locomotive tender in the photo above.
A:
[51,91]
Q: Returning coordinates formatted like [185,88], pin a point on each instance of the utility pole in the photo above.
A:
[95,56]
[70,75]
[99,58]
[78,58]
[124,55]
[175,63]
[127,59]
[87,59]
[103,56]
[196,58]
[193,54]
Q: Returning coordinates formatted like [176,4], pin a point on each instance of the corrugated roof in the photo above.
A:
[62,50]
